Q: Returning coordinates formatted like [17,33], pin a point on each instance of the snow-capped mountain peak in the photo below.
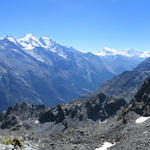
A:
[136,52]
[29,37]
[29,41]
[129,52]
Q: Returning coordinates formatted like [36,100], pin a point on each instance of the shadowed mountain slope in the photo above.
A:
[127,84]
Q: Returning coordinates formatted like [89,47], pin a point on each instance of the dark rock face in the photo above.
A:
[24,110]
[9,122]
[102,107]
[96,108]
[141,103]
[56,114]
[128,83]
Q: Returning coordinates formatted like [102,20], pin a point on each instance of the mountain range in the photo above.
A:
[41,71]
[118,61]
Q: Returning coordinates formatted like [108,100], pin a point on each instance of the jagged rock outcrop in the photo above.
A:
[96,108]
[20,114]
[140,104]
[73,114]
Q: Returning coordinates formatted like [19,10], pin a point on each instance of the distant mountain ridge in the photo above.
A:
[29,41]
[115,61]
[128,83]
[118,61]
[130,52]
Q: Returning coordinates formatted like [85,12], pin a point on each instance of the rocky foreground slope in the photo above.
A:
[92,124]
[63,122]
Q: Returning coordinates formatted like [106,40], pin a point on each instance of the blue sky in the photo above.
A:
[87,25]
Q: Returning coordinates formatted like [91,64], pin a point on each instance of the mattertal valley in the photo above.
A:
[91,95]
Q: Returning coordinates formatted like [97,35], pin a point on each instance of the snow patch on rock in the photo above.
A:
[101,122]
[105,146]
[12,39]
[142,119]
[62,55]
[36,122]
[33,54]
